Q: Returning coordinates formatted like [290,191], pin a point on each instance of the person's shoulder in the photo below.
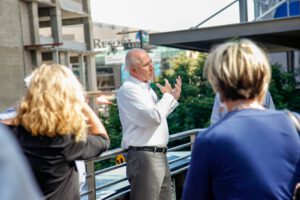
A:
[127,85]
[219,132]
[210,134]
[127,89]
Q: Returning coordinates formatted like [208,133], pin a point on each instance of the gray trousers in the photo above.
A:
[149,175]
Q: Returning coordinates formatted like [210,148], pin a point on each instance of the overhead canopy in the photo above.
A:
[275,35]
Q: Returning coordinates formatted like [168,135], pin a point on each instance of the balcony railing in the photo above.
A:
[111,183]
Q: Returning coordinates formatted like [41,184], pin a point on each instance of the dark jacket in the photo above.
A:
[52,161]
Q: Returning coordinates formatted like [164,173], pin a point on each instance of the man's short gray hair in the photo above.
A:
[131,59]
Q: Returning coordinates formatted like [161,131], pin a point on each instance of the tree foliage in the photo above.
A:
[196,98]
[283,89]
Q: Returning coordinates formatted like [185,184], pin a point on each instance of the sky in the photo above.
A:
[164,15]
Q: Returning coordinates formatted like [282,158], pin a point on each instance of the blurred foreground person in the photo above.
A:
[55,127]
[16,178]
[252,152]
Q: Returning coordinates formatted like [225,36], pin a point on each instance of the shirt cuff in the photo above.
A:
[173,102]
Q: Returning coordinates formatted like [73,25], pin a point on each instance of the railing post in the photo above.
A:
[90,169]
[192,139]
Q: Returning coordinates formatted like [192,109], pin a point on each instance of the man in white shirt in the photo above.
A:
[145,129]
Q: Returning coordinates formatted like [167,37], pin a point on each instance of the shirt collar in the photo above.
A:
[140,83]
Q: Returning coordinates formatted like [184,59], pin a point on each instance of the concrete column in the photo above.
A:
[243,10]
[55,56]
[37,58]
[90,59]
[92,83]
[67,59]
[82,76]
[34,22]
[91,72]
[88,26]
[117,76]
[56,23]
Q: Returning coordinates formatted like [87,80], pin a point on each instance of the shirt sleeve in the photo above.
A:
[83,150]
[269,102]
[198,181]
[134,105]
[215,115]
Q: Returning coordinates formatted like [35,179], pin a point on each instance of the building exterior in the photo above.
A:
[275,9]
[111,43]
[24,44]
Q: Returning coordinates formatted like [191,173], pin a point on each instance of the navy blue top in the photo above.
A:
[250,154]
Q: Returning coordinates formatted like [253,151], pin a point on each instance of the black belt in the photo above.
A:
[152,149]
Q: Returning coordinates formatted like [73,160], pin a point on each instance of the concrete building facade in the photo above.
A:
[23,47]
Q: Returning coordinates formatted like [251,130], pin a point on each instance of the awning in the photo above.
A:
[275,35]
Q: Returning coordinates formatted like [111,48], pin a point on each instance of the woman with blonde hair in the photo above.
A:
[55,127]
[252,152]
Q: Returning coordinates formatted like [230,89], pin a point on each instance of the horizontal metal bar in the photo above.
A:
[86,193]
[180,170]
[109,168]
[111,153]
[185,134]
[182,158]
[180,146]
[110,184]
[118,195]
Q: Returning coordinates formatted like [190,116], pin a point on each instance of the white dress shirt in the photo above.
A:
[143,116]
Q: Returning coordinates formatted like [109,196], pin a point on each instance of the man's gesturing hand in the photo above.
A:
[167,88]
[177,89]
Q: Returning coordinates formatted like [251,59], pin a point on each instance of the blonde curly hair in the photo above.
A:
[53,103]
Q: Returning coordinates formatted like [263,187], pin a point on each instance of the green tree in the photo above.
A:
[113,125]
[284,90]
[197,97]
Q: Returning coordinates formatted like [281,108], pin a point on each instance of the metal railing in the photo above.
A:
[90,164]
